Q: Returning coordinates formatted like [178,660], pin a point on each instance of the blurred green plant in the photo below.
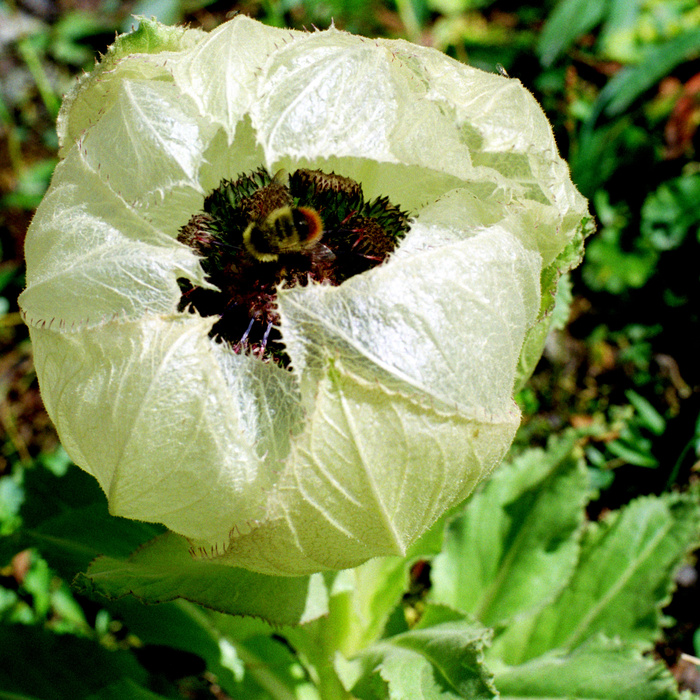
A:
[652,37]
[669,215]
[631,431]
[31,185]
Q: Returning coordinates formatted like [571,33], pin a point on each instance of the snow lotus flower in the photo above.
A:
[329,403]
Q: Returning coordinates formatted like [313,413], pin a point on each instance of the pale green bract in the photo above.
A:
[399,399]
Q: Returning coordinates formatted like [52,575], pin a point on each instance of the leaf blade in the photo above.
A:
[163,570]
[522,526]
[623,579]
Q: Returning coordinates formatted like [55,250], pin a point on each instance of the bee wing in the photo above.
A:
[321,253]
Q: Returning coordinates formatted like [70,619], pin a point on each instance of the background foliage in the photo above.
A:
[620,382]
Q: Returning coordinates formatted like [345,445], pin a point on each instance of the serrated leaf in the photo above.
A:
[439,661]
[600,669]
[515,546]
[623,579]
[150,37]
[164,570]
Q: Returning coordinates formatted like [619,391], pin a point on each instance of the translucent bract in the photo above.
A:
[399,397]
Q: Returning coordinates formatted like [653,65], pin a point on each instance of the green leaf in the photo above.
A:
[669,213]
[11,498]
[264,663]
[623,579]
[125,689]
[562,305]
[178,625]
[649,416]
[633,453]
[149,37]
[604,151]
[66,519]
[600,669]
[619,37]
[569,20]
[47,666]
[516,544]
[243,654]
[164,570]
[363,598]
[169,12]
[610,267]
[71,35]
[440,659]
[632,81]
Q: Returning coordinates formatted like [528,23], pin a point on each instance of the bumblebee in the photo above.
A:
[284,230]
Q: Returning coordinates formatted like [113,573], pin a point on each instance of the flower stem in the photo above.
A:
[316,645]
[329,685]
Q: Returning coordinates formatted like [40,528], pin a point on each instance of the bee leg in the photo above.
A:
[259,350]
[266,336]
[247,332]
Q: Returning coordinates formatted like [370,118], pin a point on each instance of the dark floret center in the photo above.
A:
[259,231]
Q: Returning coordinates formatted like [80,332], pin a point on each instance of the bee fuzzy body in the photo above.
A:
[284,230]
